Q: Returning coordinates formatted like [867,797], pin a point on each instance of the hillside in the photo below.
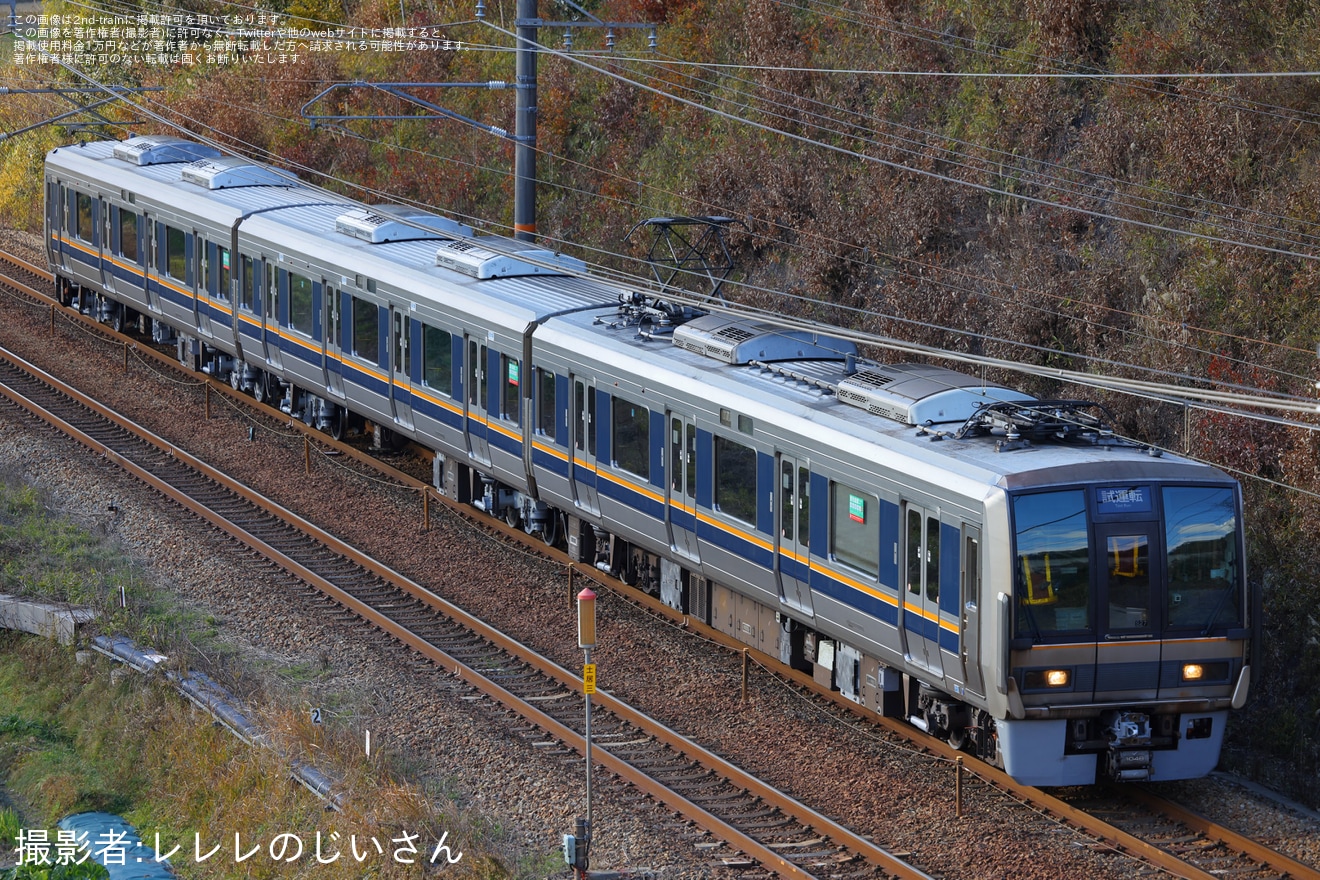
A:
[1034,207]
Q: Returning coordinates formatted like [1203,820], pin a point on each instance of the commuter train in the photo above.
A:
[1002,571]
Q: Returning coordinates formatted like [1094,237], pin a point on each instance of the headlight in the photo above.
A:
[1192,672]
[1047,678]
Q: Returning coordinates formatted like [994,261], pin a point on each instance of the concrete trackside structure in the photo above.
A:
[52,620]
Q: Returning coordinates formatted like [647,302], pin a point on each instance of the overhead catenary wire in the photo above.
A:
[878,342]
[1167,391]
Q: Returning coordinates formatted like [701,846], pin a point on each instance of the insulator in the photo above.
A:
[568,39]
[609,39]
[651,42]
[481,10]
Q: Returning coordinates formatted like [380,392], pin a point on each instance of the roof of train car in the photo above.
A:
[809,411]
[306,228]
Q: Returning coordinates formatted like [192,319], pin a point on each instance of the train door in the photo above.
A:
[105,247]
[332,356]
[475,401]
[793,510]
[203,252]
[55,207]
[400,377]
[583,419]
[276,291]
[971,609]
[155,232]
[682,506]
[1130,613]
[921,607]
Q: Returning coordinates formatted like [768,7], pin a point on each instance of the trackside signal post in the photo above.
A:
[577,846]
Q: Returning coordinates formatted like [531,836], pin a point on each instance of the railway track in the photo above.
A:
[763,825]
[1196,848]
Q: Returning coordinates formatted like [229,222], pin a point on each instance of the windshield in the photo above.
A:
[1200,528]
[1119,562]
[1053,562]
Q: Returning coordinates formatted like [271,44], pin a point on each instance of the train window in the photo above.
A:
[683,457]
[932,557]
[476,374]
[510,383]
[584,417]
[632,437]
[332,316]
[546,408]
[300,303]
[437,359]
[86,218]
[366,330]
[1200,537]
[247,293]
[128,235]
[804,506]
[787,500]
[272,291]
[1052,572]
[855,528]
[735,479]
[226,279]
[176,259]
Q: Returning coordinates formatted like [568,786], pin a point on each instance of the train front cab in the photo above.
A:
[1129,631]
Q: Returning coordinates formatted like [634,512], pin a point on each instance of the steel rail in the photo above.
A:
[1272,859]
[749,846]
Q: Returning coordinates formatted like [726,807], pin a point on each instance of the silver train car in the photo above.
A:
[1002,571]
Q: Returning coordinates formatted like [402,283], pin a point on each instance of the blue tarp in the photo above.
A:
[115,844]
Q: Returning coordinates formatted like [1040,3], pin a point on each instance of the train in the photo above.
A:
[1005,572]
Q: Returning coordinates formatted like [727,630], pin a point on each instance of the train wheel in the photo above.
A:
[261,387]
[117,318]
[550,531]
[338,422]
[236,376]
[512,516]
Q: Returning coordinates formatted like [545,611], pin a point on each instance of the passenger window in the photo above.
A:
[854,529]
[546,403]
[366,330]
[510,383]
[300,303]
[247,293]
[176,258]
[631,436]
[128,235]
[735,479]
[226,280]
[438,359]
[86,219]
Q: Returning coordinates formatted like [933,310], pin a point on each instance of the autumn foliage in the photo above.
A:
[1156,227]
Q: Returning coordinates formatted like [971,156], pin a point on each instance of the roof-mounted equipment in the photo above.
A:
[1022,423]
[227,172]
[919,394]
[739,341]
[384,223]
[160,149]
[472,257]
